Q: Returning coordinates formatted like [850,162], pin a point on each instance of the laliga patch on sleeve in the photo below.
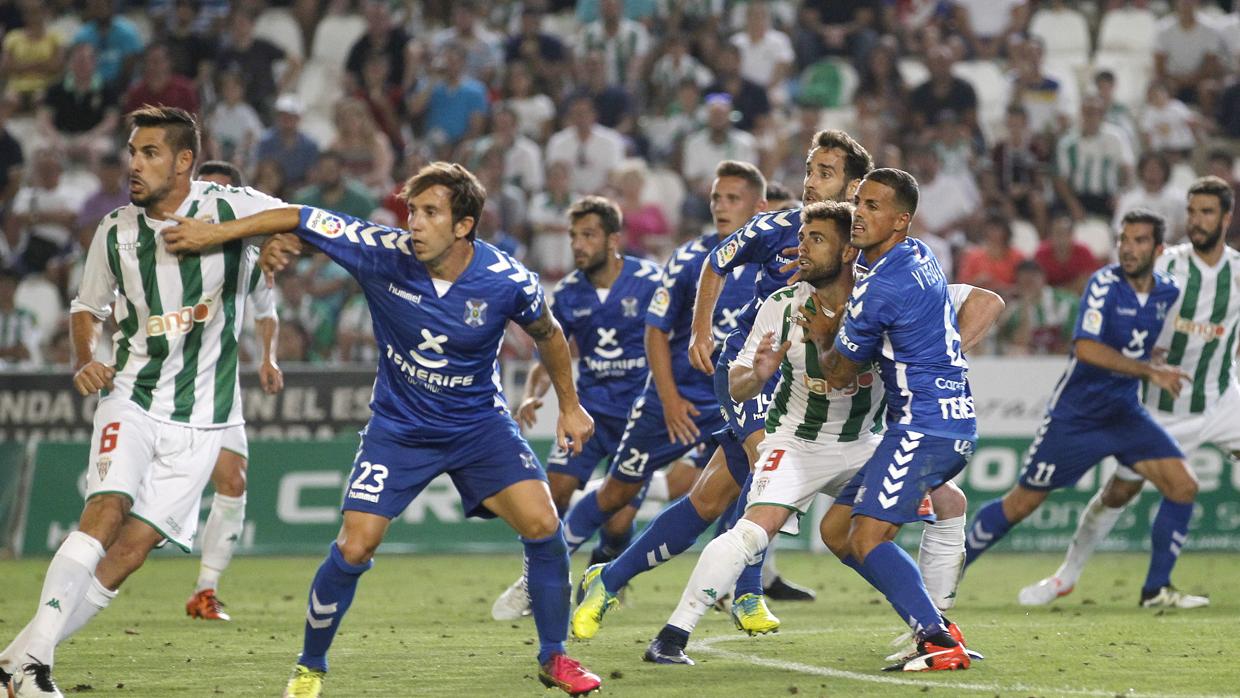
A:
[325,224]
[1092,322]
[660,301]
[725,254]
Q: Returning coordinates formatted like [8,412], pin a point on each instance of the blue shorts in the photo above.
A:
[905,466]
[389,471]
[1065,449]
[645,446]
[743,418]
[734,455]
[607,433]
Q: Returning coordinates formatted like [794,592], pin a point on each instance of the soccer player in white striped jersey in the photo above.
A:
[1199,337]
[168,399]
[226,522]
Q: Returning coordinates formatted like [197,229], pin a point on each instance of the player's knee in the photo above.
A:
[1020,503]
[1183,489]
[231,484]
[615,495]
[706,506]
[1118,493]
[356,551]
[837,542]
[540,526]
[863,539]
[949,501]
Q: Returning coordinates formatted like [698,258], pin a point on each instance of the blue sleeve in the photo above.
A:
[559,312]
[750,244]
[529,301]
[1095,307]
[358,245]
[866,318]
[678,290]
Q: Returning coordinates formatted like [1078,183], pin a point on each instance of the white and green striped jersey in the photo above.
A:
[19,327]
[802,405]
[1200,333]
[179,319]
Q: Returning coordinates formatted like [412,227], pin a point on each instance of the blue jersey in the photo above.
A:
[901,316]
[671,310]
[760,242]
[611,364]
[1111,313]
[438,371]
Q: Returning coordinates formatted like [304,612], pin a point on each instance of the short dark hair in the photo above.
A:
[467,195]
[838,212]
[1144,215]
[1157,157]
[1002,223]
[903,183]
[776,191]
[181,130]
[607,211]
[857,160]
[1017,109]
[744,170]
[1030,265]
[221,167]
[1104,75]
[1215,186]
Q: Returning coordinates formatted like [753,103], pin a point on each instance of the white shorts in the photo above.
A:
[234,440]
[161,467]
[1218,426]
[790,471]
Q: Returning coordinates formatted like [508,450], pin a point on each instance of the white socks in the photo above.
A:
[1097,520]
[717,570]
[769,573]
[68,578]
[97,598]
[941,558]
[657,490]
[224,527]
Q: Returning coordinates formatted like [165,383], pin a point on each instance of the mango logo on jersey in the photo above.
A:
[178,322]
[818,386]
[1204,330]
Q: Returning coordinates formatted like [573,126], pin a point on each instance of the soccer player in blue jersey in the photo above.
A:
[1096,410]
[601,306]
[678,408]
[900,316]
[441,301]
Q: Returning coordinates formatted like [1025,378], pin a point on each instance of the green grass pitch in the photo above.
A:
[420,626]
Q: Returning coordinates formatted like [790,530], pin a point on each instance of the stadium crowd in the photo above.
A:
[1032,126]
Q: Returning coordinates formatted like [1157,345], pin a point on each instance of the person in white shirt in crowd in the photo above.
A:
[548,220]
[719,140]
[1152,192]
[957,207]
[592,150]
[625,43]
[766,52]
[1167,124]
[43,213]
[1189,55]
[523,163]
[987,24]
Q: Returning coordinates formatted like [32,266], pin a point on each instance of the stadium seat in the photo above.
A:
[993,92]
[1065,33]
[1024,237]
[334,36]
[1096,234]
[276,24]
[1128,30]
[913,72]
[1132,76]
[319,86]
[827,83]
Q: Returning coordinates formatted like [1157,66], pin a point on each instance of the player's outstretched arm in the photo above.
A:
[269,374]
[89,376]
[1096,353]
[701,337]
[192,235]
[575,426]
[979,312]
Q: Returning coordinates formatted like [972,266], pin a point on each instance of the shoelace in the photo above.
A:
[750,605]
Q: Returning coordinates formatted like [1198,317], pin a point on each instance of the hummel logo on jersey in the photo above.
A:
[475,312]
[1130,312]
[432,342]
[415,298]
[178,322]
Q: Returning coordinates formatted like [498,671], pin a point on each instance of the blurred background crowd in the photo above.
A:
[1031,126]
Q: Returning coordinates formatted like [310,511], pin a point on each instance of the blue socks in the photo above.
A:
[990,525]
[860,569]
[896,575]
[583,520]
[669,534]
[610,546]
[1167,535]
[331,593]
[546,564]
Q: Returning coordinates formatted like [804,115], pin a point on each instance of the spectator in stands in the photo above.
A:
[766,52]
[646,230]
[315,328]
[534,110]
[544,54]
[1016,174]
[295,342]
[32,57]
[256,58]
[987,24]
[355,334]
[1221,164]
[483,49]
[879,77]
[1167,125]
[789,156]
[159,85]
[191,45]
[1116,113]
[550,255]
[952,207]
[269,179]
[623,42]
[363,148]
[993,263]
[79,113]
[44,213]
[749,99]
[612,102]
[1038,319]
[455,104]
[523,164]
[505,200]
[1227,111]
[111,195]
[334,191]
[384,39]
[704,149]
[1093,164]
[1067,262]
[1048,100]
[284,144]
[1152,192]
[384,100]
[673,66]
[19,332]
[1188,54]
[942,92]
[11,161]
[116,41]
[233,125]
[836,28]
[667,129]
[592,150]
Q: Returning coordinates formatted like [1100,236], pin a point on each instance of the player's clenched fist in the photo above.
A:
[93,377]
[701,347]
[278,251]
[820,327]
[189,235]
[574,429]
